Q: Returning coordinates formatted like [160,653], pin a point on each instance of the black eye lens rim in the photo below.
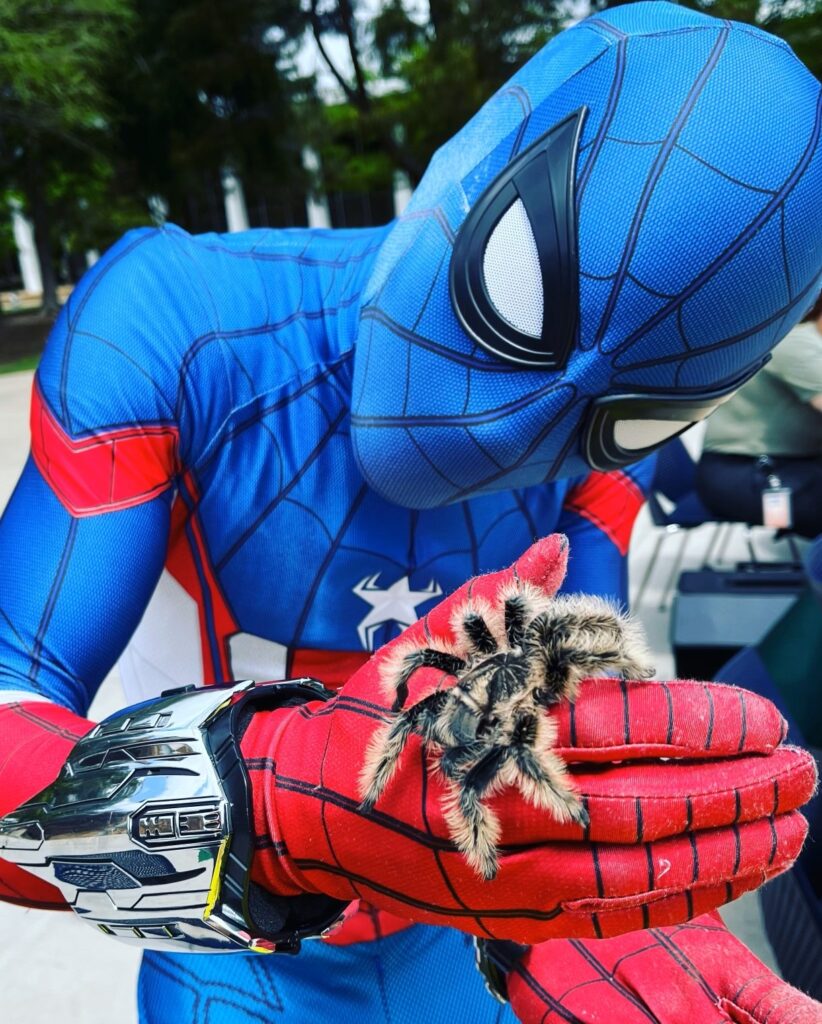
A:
[600,447]
[543,177]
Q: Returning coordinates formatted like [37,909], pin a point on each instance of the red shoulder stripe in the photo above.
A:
[611,501]
[111,470]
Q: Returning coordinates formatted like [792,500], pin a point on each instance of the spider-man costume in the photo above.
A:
[269,452]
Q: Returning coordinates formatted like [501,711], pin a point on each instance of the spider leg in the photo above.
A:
[478,634]
[517,608]
[382,758]
[474,827]
[540,774]
[581,636]
[422,657]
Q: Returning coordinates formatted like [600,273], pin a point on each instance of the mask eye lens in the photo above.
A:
[625,428]
[639,435]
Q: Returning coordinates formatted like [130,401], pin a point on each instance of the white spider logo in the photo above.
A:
[398,603]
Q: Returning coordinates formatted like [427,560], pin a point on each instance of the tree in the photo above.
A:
[206,85]
[443,64]
[52,60]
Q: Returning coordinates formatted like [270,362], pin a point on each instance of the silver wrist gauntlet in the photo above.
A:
[147,831]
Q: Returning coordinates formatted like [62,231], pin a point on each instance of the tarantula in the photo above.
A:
[490,729]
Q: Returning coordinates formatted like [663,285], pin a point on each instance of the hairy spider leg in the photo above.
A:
[478,634]
[424,718]
[423,657]
[542,777]
[474,826]
[517,609]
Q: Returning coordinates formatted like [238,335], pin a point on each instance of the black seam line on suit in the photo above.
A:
[249,332]
[54,593]
[626,716]
[639,821]
[737,806]
[437,214]
[734,247]
[710,735]
[681,958]
[486,365]
[267,843]
[357,500]
[597,926]
[655,174]
[611,980]
[737,849]
[178,974]
[597,870]
[346,803]
[667,691]
[775,796]
[438,854]
[42,723]
[774,844]
[312,457]
[743,724]
[546,997]
[689,812]
[614,91]
[261,412]
[305,261]
[73,319]
[494,913]
[694,858]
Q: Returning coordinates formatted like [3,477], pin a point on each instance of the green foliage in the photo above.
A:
[798,22]
[51,58]
[206,85]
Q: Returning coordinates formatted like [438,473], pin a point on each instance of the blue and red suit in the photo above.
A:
[264,454]
[213,456]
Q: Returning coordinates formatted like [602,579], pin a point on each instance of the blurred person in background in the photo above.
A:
[761,461]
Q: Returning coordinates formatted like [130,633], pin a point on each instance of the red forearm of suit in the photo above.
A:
[35,740]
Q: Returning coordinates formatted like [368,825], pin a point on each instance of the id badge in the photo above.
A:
[777,511]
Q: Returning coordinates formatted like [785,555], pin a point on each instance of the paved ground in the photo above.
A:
[55,968]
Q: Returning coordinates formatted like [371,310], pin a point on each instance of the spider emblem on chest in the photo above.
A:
[490,728]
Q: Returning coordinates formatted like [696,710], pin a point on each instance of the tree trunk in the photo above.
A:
[41,221]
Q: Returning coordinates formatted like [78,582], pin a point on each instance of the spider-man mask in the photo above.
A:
[604,253]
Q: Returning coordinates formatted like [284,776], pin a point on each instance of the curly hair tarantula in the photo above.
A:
[490,728]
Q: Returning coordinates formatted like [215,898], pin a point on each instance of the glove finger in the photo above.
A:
[543,566]
[639,802]
[671,880]
[696,971]
[632,978]
[614,719]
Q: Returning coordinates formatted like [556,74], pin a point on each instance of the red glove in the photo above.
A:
[695,973]
[666,839]
[36,737]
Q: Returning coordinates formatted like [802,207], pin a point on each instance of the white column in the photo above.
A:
[316,204]
[26,249]
[236,213]
[402,192]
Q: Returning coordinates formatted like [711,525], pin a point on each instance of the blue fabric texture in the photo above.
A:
[423,975]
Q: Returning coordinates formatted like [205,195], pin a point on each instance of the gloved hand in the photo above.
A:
[695,972]
[680,795]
